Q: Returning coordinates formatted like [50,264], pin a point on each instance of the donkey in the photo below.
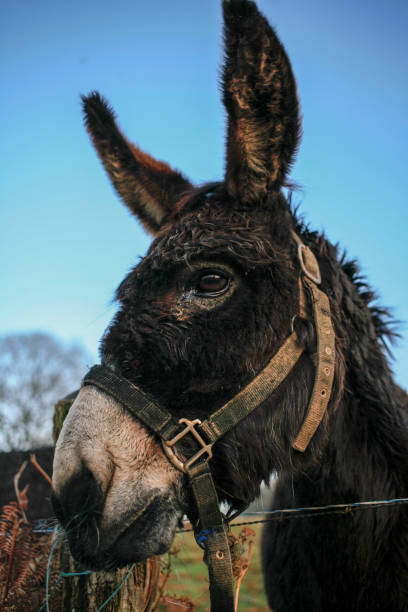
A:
[198,319]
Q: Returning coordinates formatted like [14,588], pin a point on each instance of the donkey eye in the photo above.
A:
[212,284]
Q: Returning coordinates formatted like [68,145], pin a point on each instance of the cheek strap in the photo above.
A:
[326,352]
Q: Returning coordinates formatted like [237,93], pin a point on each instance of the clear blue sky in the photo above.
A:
[66,241]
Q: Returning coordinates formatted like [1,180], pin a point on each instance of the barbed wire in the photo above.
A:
[281,514]
[48,525]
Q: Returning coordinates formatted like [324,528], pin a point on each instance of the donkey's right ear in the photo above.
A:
[148,187]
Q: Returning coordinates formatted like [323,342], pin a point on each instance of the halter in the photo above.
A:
[189,447]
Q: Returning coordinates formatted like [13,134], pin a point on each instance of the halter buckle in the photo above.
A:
[190,428]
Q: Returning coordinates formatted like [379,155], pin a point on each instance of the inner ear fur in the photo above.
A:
[148,187]
[260,97]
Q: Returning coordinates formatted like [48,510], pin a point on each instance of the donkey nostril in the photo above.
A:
[80,496]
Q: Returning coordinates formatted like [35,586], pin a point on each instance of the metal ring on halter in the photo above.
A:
[308,263]
[189,429]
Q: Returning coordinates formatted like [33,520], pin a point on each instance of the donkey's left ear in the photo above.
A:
[148,187]
[261,102]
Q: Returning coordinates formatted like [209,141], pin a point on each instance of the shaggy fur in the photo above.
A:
[193,352]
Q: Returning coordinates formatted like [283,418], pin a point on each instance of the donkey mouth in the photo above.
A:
[114,546]
[152,534]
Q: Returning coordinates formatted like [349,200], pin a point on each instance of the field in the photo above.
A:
[188,578]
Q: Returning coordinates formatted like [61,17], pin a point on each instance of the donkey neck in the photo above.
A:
[368,439]
[366,455]
[366,452]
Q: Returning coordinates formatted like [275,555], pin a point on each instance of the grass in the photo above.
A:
[189,578]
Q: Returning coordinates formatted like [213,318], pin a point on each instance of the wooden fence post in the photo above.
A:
[88,592]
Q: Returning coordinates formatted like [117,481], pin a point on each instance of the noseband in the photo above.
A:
[189,448]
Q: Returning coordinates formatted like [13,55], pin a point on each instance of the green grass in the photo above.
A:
[189,578]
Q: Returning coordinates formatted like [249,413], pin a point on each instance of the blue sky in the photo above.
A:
[66,241]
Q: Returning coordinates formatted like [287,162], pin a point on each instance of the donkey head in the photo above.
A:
[198,318]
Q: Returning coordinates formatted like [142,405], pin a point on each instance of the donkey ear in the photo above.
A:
[261,102]
[148,187]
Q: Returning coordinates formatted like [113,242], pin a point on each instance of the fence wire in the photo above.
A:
[282,514]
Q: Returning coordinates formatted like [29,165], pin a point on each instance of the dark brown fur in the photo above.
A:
[194,354]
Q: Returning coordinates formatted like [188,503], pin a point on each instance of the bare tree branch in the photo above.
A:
[36,370]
